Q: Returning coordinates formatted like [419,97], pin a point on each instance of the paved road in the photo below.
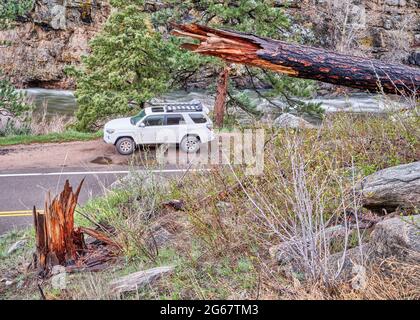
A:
[21,190]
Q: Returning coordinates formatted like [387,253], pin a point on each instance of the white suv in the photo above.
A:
[186,124]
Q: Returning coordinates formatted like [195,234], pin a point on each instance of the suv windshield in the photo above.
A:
[138,117]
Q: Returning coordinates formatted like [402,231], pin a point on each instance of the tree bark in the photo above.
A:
[303,61]
[219,106]
[57,242]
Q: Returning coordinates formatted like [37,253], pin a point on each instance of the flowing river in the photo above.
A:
[63,102]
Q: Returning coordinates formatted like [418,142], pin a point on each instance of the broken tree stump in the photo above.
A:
[302,61]
[57,241]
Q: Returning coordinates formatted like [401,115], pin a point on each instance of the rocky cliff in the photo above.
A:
[53,35]
[56,34]
[383,29]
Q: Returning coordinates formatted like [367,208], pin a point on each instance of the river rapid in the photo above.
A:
[64,102]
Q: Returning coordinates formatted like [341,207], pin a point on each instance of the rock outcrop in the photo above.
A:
[397,237]
[383,29]
[287,120]
[392,188]
[55,34]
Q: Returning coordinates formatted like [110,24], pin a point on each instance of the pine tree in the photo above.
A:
[12,100]
[10,10]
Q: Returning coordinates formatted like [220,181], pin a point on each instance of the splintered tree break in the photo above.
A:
[58,242]
[302,61]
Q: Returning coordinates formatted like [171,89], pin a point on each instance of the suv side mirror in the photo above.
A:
[141,125]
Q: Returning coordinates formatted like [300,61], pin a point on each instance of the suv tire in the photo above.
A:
[125,146]
[190,144]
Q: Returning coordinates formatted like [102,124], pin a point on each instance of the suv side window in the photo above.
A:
[154,121]
[174,120]
[198,117]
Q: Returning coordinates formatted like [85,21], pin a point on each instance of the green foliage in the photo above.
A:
[254,16]
[11,99]
[291,90]
[10,10]
[12,130]
[24,137]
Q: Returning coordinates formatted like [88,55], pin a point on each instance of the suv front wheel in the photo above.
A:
[190,144]
[125,146]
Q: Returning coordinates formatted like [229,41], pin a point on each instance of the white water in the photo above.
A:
[64,102]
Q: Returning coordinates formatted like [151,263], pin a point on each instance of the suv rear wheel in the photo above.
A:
[190,144]
[125,146]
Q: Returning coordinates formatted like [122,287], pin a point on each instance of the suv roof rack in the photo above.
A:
[177,107]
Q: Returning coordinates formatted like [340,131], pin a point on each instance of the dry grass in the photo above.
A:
[389,280]
[42,123]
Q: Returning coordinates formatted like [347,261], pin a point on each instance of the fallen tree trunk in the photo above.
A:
[302,61]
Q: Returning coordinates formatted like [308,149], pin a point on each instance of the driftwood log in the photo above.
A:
[302,61]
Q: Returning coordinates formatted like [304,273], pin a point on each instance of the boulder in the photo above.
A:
[349,264]
[160,237]
[59,278]
[7,117]
[392,188]
[397,237]
[287,120]
[57,269]
[284,252]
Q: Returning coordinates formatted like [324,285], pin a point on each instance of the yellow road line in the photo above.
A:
[15,215]
[18,213]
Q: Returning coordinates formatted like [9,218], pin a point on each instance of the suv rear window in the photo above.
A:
[154,121]
[174,120]
[198,117]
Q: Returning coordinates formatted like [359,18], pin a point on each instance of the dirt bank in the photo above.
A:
[90,154]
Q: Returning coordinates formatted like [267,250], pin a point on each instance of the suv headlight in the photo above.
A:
[110,131]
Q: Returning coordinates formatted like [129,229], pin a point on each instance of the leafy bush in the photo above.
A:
[10,10]
[11,129]
[11,99]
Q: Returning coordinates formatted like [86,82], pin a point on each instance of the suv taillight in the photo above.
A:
[210,126]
